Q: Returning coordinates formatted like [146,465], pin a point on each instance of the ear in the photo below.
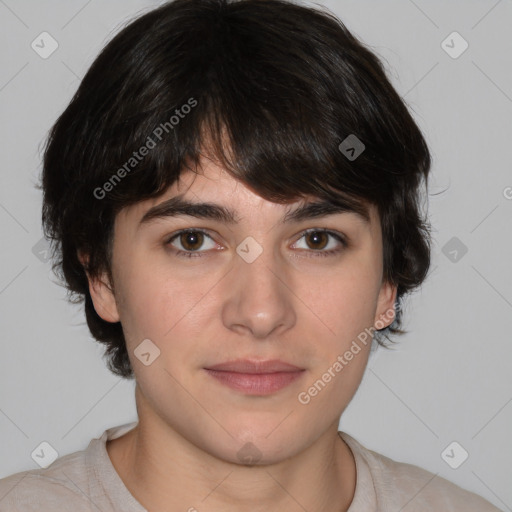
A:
[385,313]
[102,293]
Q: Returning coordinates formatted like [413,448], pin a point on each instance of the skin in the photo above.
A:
[288,304]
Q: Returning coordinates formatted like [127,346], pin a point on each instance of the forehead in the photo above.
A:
[211,192]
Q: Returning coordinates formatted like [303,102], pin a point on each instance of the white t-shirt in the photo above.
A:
[86,481]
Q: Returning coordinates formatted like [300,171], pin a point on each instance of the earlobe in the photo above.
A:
[102,294]
[103,299]
[386,306]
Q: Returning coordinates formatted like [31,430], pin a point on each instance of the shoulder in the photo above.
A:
[62,483]
[411,488]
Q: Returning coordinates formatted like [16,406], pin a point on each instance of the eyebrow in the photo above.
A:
[177,206]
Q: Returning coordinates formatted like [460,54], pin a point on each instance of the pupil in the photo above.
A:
[318,236]
[192,239]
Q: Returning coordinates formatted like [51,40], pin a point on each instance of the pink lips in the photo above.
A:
[255,377]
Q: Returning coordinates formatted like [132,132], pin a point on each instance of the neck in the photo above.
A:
[166,472]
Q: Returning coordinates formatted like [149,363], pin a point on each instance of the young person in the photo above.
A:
[235,192]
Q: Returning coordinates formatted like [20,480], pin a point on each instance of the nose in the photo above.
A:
[259,298]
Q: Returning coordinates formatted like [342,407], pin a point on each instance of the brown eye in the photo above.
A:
[191,240]
[321,242]
[317,239]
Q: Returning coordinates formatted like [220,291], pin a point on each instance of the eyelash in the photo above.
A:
[319,253]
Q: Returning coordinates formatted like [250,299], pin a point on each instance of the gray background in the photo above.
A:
[450,377]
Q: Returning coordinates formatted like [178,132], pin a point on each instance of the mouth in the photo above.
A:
[254,377]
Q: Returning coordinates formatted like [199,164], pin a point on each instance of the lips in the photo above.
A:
[254,377]
[253,366]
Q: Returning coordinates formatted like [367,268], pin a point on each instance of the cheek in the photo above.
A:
[147,303]
[342,351]
[346,303]
[163,304]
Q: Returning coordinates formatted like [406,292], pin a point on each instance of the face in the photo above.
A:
[257,289]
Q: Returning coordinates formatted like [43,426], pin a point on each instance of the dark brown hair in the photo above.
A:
[282,83]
